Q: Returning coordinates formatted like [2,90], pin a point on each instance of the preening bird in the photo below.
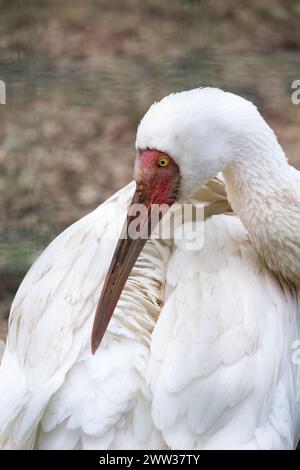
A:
[193,349]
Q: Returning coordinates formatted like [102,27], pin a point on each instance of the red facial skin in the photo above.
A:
[159,184]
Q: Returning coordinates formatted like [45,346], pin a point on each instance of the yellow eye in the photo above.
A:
[163,162]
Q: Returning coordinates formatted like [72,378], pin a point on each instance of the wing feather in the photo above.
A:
[48,377]
[220,368]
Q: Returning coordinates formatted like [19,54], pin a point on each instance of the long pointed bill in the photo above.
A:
[126,253]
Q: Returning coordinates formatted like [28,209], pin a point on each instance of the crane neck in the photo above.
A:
[262,189]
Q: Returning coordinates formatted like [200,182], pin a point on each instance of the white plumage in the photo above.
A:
[198,354]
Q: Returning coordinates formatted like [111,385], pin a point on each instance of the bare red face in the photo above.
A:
[157,177]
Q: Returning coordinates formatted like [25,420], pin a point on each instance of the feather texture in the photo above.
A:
[173,369]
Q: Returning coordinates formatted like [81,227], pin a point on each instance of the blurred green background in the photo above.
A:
[79,76]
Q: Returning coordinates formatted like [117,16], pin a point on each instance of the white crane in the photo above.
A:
[198,353]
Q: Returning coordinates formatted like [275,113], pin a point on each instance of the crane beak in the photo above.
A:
[124,258]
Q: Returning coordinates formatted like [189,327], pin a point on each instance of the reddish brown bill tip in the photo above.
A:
[122,263]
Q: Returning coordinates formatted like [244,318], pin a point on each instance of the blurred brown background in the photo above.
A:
[79,76]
